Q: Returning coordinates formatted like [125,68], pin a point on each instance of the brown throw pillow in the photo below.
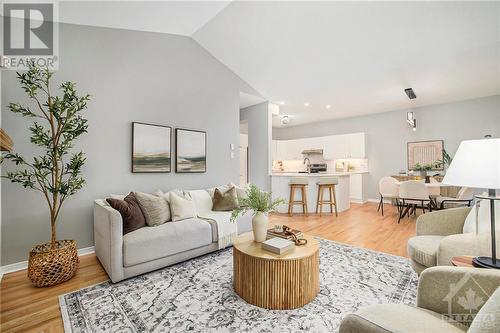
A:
[130,211]
[226,201]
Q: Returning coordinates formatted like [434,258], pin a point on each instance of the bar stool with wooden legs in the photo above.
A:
[299,183]
[323,184]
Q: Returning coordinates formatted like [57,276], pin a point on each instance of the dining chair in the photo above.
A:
[413,193]
[464,198]
[388,188]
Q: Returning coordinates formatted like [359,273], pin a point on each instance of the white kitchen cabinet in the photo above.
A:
[356,188]
[334,147]
[356,145]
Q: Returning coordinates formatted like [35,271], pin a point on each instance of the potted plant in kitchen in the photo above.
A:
[260,203]
[57,124]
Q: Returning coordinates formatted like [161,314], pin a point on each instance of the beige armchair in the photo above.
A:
[449,299]
[439,238]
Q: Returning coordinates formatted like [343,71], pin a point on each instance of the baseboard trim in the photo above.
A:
[19,266]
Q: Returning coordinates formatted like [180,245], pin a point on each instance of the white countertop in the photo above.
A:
[328,174]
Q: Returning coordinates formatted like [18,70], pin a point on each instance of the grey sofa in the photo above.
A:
[441,291]
[151,248]
[439,238]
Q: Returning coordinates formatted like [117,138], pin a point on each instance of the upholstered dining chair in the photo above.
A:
[464,198]
[388,188]
[413,193]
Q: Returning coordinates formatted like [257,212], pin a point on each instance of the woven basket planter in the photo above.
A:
[48,267]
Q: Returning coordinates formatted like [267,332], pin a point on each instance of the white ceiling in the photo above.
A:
[174,17]
[355,56]
[359,56]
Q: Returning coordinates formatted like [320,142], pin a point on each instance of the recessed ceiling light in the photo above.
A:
[306,104]
[328,106]
[281,103]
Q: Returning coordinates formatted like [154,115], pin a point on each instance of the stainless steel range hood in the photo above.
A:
[312,151]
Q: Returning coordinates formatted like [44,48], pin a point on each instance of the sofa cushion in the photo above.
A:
[225,201]
[182,206]
[156,209]
[132,217]
[488,318]
[150,243]
[397,318]
[423,249]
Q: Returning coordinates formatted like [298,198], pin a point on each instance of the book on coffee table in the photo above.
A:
[271,233]
[278,245]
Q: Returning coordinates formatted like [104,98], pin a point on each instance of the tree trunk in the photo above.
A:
[53,230]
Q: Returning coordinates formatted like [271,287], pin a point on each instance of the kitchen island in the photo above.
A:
[281,189]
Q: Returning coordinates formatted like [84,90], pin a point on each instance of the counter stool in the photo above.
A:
[301,184]
[327,183]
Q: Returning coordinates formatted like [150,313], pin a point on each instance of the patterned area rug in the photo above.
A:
[198,296]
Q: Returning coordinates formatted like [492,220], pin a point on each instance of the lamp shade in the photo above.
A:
[476,164]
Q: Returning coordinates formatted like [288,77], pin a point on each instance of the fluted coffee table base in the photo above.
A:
[275,282]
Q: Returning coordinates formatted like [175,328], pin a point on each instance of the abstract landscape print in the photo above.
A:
[151,148]
[191,151]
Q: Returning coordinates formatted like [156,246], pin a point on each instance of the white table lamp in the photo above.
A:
[477,165]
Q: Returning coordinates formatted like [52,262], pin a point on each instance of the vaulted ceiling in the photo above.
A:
[355,57]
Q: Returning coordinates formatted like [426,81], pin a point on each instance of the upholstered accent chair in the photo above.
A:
[442,291]
[464,198]
[440,237]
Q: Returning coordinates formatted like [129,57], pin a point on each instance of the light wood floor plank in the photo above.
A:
[25,308]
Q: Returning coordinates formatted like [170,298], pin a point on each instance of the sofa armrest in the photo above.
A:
[456,291]
[108,238]
[442,222]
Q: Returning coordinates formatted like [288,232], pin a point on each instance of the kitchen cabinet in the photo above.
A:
[356,188]
[334,147]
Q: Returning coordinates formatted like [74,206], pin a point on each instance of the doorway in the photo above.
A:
[243,153]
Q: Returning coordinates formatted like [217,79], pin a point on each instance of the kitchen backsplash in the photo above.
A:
[341,165]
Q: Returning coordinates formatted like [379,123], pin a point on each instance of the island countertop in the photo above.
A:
[327,174]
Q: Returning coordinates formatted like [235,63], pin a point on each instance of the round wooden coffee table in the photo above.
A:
[273,281]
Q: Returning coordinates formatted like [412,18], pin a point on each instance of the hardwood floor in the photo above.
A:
[25,308]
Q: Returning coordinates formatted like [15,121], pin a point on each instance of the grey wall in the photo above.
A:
[132,76]
[387,133]
[259,136]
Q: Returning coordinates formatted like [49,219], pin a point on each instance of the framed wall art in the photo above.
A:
[151,148]
[425,152]
[191,151]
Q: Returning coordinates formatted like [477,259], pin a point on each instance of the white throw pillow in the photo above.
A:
[182,206]
[484,223]
[156,209]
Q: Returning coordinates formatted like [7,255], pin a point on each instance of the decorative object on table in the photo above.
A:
[261,203]
[278,245]
[423,169]
[151,148]
[476,164]
[425,153]
[343,268]
[191,151]
[271,233]
[278,228]
[6,143]
[53,175]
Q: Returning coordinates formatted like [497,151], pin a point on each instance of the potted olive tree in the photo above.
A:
[260,203]
[57,124]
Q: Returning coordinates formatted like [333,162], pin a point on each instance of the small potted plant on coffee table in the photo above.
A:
[260,203]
